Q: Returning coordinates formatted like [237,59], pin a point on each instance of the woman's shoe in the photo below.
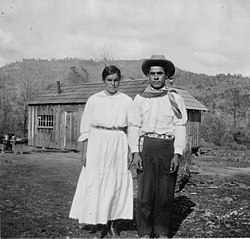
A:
[103,232]
[146,236]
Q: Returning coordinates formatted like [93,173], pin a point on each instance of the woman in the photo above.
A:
[104,192]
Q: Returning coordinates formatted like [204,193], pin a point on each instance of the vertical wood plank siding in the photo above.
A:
[193,128]
[56,137]
[59,138]
[71,102]
[30,125]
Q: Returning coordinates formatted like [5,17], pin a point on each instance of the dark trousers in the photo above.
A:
[156,187]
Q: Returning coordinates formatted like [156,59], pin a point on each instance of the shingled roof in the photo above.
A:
[79,93]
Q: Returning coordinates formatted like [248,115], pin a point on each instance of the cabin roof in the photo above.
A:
[79,93]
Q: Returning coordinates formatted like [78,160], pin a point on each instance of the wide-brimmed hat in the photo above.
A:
[158,60]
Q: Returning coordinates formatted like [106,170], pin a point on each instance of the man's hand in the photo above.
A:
[137,161]
[175,162]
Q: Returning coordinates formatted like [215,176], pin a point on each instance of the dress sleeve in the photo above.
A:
[180,127]
[134,120]
[86,121]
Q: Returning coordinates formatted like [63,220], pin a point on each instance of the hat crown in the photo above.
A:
[158,60]
[158,57]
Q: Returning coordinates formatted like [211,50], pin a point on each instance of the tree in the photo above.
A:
[16,92]
[77,76]
[8,95]
[235,104]
[28,91]
[105,55]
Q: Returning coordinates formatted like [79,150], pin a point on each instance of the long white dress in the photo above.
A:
[105,188]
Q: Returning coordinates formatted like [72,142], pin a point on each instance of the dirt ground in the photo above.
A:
[37,189]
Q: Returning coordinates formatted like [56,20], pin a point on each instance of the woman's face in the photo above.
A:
[112,83]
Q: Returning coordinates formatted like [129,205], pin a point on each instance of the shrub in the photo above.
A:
[212,129]
[227,139]
[236,146]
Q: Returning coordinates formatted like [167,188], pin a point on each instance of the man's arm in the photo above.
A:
[134,118]
[180,135]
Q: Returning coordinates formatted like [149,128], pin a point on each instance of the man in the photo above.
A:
[157,139]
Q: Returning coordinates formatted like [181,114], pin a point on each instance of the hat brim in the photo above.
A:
[167,65]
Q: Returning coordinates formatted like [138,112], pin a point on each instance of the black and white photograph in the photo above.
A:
[124,119]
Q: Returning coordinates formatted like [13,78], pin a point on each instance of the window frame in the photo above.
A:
[45,122]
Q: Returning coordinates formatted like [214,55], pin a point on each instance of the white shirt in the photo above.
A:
[155,115]
[104,110]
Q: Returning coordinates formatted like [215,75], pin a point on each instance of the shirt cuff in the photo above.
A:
[178,150]
[83,137]
[134,149]
[133,138]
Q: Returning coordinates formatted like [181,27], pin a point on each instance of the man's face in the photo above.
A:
[156,77]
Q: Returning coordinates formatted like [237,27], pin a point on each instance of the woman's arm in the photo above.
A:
[84,152]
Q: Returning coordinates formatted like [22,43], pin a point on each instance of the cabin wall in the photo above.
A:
[193,129]
[31,129]
[66,126]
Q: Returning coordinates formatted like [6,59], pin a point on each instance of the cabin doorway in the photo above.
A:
[70,138]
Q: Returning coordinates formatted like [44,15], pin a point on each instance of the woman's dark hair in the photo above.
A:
[110,70]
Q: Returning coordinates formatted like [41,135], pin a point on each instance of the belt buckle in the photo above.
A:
[170,137]
[162,136]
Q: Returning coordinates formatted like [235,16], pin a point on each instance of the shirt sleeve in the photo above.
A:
[86,121]
[180,127]
[135,121]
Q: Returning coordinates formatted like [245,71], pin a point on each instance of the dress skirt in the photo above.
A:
[105,189]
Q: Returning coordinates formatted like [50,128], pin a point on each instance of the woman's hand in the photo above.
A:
[84,152]
[83,159]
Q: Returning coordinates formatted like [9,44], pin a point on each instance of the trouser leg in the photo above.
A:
[164,187]
[145,199]
[155,188]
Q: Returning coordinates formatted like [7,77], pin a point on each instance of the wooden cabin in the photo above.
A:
[54,117]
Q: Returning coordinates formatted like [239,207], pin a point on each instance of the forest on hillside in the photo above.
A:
[227,123]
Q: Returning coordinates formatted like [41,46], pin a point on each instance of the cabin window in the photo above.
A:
[45,121]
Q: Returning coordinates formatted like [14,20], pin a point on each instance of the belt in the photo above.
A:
[159,136]
[124,129]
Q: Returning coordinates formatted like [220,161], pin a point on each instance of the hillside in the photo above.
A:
[226,96]
[50,71]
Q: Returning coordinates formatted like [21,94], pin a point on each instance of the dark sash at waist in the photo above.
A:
[159,136]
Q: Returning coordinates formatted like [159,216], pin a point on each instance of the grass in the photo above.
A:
[37,189]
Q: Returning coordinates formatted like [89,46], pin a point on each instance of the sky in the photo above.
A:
[201,36]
